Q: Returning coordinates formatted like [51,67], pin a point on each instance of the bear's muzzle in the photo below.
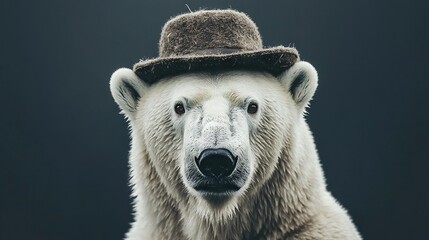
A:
[216,163]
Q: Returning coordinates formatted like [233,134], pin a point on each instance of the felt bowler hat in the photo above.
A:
[211,40]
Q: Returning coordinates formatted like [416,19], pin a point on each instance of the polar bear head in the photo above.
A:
[211,138]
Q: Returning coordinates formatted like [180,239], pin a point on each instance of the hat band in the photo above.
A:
[216,51]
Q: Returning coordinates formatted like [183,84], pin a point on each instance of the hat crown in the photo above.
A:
[204,30]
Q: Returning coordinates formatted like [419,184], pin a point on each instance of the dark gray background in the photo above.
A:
[63,145]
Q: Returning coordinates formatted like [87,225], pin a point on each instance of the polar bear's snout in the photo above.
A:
[217,157]
[216,179]
[216,163]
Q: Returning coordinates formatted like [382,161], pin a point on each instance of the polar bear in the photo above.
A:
[227,154]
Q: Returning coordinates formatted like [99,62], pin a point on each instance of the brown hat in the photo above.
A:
[213,39]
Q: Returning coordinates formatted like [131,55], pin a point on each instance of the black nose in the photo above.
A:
[216,162]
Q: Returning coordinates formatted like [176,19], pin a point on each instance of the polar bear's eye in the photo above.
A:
[179,108]
[252,108]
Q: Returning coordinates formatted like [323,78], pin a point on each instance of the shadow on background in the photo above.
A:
[63,145]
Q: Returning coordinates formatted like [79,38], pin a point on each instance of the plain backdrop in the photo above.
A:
[64,146]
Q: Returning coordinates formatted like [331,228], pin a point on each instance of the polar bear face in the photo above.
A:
[214,136]
[220,125]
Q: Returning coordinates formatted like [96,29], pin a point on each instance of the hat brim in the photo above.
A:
[273,60]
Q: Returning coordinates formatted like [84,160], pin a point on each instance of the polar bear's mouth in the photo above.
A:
[217,193]
[217,188]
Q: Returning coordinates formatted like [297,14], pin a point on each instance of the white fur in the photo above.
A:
[284,195]
[309,83]
[121,94]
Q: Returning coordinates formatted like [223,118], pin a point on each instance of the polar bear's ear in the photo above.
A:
[301,81]
[127,88]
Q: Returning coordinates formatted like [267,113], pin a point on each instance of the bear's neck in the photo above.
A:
[281,206]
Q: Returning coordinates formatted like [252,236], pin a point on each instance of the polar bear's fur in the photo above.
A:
[284,195]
